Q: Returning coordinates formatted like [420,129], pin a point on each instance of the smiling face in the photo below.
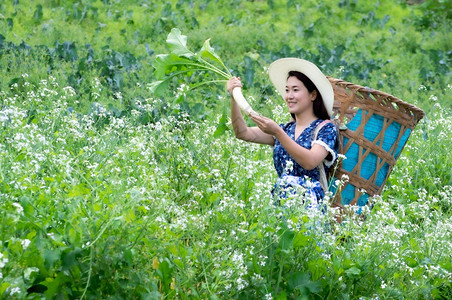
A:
[298,98]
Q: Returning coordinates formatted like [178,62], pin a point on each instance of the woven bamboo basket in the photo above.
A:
[373,129]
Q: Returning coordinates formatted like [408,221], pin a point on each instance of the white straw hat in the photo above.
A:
[279,70]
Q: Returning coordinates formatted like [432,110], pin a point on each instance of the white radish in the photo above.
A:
[241,101]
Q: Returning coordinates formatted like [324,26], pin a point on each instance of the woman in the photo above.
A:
[299,152]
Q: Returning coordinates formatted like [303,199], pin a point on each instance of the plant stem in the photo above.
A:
[89,272]
[206,82]
[228,74]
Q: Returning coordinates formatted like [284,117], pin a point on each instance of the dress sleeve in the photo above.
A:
[327,137]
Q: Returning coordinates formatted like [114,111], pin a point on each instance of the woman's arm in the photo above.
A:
[241,130]
[307,158]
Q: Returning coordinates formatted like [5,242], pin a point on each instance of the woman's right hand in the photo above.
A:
[233,83]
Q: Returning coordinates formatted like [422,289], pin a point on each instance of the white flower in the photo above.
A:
[3,262]
[19,207]
[341,156]
[345,178]
[241,283]
[69,90]
[25,243]
[118,95]
[29,271]
[15,290]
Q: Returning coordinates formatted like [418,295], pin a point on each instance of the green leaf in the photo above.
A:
[317,268]
[50,257]
[37,15]
[286,241]
[301,281]
[165,269]
[178,43]
[3,287]
[353,271]
[167,63]
[182,61]
[54,286]
[29,210]
[158,87]
[128,257]
[222,127]
[208,52]
[79,190]
[300,240]
[69,258]
[281,296]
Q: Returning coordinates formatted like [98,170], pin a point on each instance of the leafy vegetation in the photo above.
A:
[111,191]
[182,61]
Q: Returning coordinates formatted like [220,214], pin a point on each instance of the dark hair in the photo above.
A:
[319,108]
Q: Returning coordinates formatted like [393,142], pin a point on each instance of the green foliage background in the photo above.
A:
[109,191]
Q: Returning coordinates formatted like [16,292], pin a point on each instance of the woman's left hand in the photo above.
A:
[265,124]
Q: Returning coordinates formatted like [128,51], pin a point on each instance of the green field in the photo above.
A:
[108,191]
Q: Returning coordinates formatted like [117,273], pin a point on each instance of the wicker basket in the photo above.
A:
[374,128]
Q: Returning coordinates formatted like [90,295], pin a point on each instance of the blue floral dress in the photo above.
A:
[293,179]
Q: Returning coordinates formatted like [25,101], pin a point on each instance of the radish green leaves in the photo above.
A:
[183,62]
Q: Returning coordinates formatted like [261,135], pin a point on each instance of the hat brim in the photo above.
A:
[279,70]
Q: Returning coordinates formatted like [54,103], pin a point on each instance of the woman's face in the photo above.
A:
[297,96]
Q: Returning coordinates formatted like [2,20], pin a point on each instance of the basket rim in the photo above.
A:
[359,88]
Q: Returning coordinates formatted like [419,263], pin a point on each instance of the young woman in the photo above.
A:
[299,152]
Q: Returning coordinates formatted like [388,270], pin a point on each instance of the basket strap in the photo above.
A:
[323,181]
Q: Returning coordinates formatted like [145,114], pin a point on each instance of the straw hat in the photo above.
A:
[279,70]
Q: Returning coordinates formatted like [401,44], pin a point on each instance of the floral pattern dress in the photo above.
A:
[293,179]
